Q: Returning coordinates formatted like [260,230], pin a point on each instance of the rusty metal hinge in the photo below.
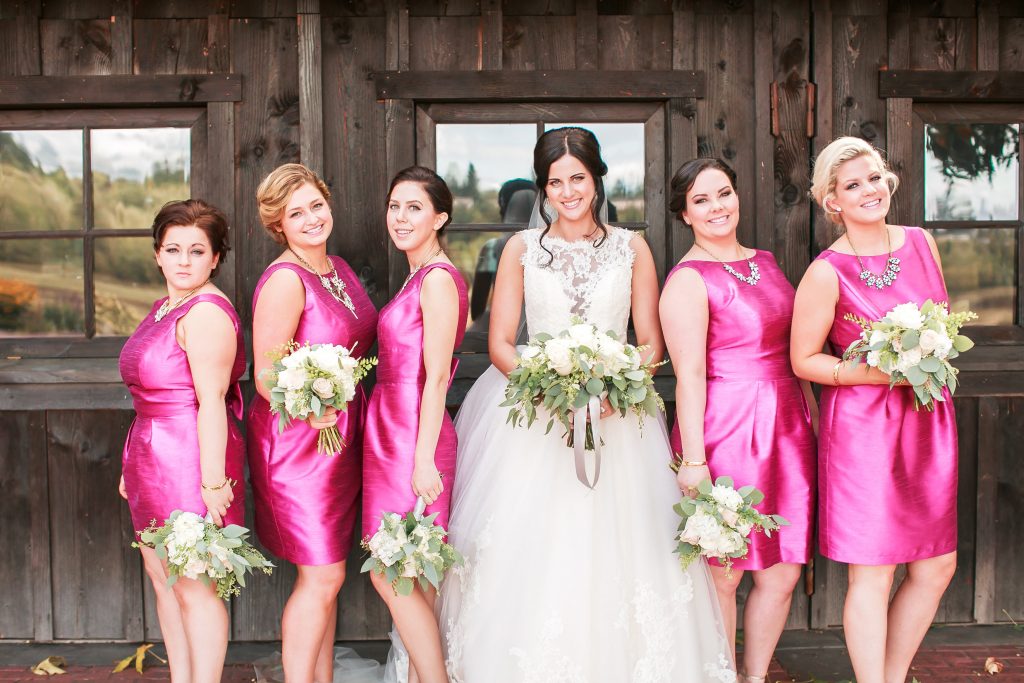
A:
[812,109]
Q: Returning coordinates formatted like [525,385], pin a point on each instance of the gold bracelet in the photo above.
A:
[835,373]
[692,463]
[228,481]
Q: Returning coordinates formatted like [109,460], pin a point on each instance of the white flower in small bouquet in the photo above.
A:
[914,345]
[306,380]
[196,548]
[718,521]
[409,549]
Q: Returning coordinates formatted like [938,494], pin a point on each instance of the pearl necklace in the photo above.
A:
[892,266]
[755,272]
[333,284]
[418,268]
[166,307]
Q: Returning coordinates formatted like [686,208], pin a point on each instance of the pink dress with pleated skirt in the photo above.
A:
[392,419]
[757,425]
[306,502]
[887,473]
[161,454]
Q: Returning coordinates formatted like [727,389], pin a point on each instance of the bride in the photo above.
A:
[563,583]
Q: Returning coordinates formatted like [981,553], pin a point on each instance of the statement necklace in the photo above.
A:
[755,273]
[892,266]
[419,267]
[166,307]
[333,284]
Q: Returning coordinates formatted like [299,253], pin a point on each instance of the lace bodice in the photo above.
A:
[592,283]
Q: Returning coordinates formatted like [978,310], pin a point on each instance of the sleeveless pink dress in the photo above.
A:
[161,454]
[392,419]
[887,473]
[306,503]
[757,426]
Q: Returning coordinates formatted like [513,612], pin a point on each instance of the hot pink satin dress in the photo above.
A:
[887,473]
[392,419]
[161,454]
[306,502]
[757,425]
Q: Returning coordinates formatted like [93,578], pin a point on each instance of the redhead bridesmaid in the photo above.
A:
[184,450]
[740,410]
[887,473]
[410,443]
[306,503]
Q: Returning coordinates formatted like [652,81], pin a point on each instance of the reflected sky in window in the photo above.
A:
[971,172]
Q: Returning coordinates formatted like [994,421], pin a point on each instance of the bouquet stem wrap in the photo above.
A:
[593,407]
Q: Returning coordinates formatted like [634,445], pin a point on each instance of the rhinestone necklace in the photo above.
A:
[419,268]
[333,284]
[166,307]
[755,273]
[892,266]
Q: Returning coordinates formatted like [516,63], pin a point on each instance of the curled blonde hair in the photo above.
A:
[276,189]
[826,168]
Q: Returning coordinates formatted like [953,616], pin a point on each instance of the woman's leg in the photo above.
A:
[205,617]
[324,671]
[726,583]
[310,611]
[864,619]
[912,611]
[764,615]
[417,625]
[169,614]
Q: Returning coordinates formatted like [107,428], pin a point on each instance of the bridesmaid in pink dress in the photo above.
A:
[306,503]
[887,474]
[410,441]
[184,450]
[726,313]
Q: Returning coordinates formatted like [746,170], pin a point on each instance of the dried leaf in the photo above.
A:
[138,657]
[51,666]
[123,664]
[993,666]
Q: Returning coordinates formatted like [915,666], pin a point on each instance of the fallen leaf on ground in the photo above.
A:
[993,666]
[138,657]
[51,666]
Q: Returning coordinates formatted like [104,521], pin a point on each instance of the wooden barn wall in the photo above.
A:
[307,96]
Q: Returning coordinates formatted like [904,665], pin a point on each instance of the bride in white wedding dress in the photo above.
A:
[563,583]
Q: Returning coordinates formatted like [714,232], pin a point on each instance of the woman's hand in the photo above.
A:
[328,419]
[689,476]
[426,483]
[121,489]
[218,501]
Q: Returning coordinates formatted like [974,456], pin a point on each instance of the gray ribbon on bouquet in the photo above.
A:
[579,440]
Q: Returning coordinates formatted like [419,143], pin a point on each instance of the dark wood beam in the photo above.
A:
[75,91]
[952,86]
[534,85]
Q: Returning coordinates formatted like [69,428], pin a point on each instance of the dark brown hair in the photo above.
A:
[686,176]
[433,184]
[189,212]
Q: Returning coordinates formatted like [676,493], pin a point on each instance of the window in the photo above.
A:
[78,192]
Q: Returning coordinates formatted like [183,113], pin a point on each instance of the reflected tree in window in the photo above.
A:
[971,171]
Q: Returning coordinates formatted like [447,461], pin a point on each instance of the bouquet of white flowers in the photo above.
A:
[718,522]
[305,380]
[570,374]
[199,549]
[914,344]
[410,548]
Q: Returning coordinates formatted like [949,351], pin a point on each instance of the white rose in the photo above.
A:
[296,358]
[292,379]
[194,568]
[293,402]
[325,358]
[701,529]
[727,496]
[929,340]
[908,359]
[906,315]
[582,334]
[730,517]
[323,387]
[873,358]
[559,356]
[731,543]
[944,346]
[530,352]
[877,337]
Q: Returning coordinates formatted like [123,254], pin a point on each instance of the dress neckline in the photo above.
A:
[906,241]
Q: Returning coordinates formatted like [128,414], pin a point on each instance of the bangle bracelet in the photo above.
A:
[835,373]
[228,481]
[693,463]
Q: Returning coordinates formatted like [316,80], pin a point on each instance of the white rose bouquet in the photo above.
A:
[409,549]
[305,380]
[718,522]
[198,549]
[914,344]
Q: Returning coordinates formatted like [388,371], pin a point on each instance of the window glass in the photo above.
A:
[41,292]
[478,159]
[40,180]
[971,171]
[476,253]
[979,265]
[127,282]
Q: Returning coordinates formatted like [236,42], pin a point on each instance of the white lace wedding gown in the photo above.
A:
[563,584]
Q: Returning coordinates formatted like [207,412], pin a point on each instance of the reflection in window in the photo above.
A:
[40,180]
[971,171]
[135,172]
[622,148]
[127,283]
[41,290]
[476,254]
[979,265]
[477,159]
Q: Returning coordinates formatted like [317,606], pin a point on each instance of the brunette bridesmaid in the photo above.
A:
[184,450]
[306,503]
[740,410]
[887,473]
[410,443]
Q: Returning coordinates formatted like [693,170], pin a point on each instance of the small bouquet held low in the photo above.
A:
[718,521]
[914,345]
[409,549]
[305,380]
[196,548]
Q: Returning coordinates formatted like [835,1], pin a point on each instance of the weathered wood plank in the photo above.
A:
[764,82]
[988,35]
[444,44]
[74,48]
[822,47]
[180,9]
[655,188]
[586,35]
[444,8]
[538,8]
[29,41]
[218,43]
[951,86]
[171,46]
[9,47]
[634,42]
[531,43]
[311,119]
[491,39]
[220,188]
[900,148]
[987,508]
[76,9]
[548,85]
[1006,523]
[1011,43]
[680,134]
[263,9]
[76,91]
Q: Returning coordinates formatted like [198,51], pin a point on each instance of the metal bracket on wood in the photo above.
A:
[812,109]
